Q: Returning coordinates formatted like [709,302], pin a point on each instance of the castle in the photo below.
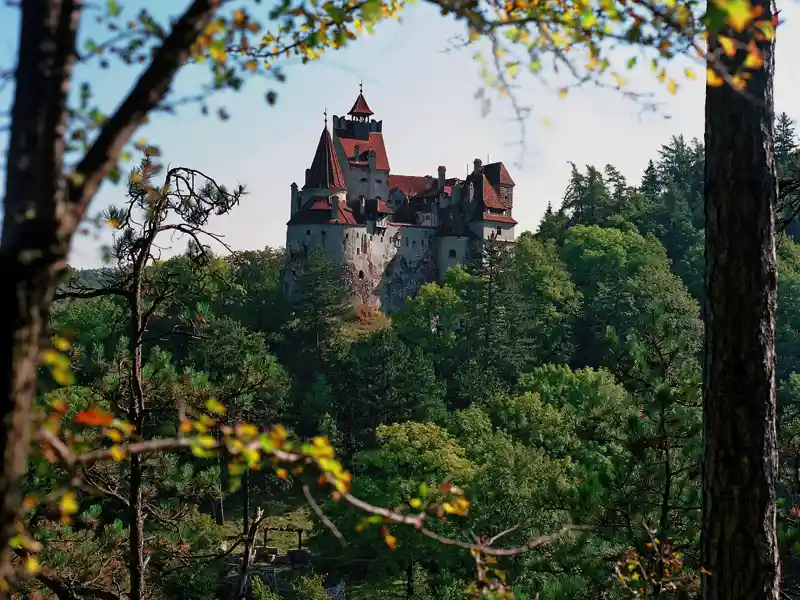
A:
[391,233]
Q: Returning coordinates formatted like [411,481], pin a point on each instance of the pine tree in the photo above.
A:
[785,142]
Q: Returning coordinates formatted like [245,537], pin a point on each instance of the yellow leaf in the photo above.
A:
[281,473]
[738,82]
[690,74]
[246,431]
[740,13]
[117,453]
[62,376]
[620,81]
[217,52]
[712,79]
[68,505]
[206,441]
[31,565]
[562,93]
[672,86]
[728,45]
[754,59]
[391,541]
[250,65]
[215,407]
[60,343]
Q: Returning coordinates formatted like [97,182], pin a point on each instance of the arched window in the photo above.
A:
[361,274]
[452,253]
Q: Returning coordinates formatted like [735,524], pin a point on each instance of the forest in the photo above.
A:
[554,381]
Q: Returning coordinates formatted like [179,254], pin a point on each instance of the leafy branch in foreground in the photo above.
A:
[250,448]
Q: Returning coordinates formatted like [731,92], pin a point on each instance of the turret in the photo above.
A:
[295,200]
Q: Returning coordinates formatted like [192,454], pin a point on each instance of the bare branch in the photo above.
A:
[151,87]
[322,516]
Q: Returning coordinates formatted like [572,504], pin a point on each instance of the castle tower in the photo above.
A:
[361,110]
[325,174]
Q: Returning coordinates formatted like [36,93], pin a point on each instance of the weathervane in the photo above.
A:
[325,112]
[361,87]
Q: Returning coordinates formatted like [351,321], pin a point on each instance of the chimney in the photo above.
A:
[372,158]
[295,200]
[442,172]
[334,208]
[478,165]
[308,175]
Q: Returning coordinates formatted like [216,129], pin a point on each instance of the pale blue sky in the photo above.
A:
[424,95]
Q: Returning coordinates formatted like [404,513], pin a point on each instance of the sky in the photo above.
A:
[424,94]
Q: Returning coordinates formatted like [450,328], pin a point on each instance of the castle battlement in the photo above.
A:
[392,233]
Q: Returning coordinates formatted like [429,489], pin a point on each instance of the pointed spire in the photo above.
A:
[360,107]
[325,172]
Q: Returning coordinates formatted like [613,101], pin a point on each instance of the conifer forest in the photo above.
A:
[606,408]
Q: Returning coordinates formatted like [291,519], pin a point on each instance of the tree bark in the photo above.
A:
[42,207]
[739,545]
[35,242]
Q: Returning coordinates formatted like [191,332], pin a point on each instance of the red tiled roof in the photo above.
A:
[498,218]
[375,142]
[326,172]
[318,212]
[360,107]
[497,174]
[410,185]
[490,197]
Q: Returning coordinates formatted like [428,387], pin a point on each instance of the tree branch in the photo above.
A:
[151,87]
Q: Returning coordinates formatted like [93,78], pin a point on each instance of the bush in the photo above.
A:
[309,588]
[261,590]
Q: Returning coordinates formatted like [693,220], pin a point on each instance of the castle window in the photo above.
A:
[358,251]
[499,231]
[347,236]
[452,253]
[323,236]
[406,241]
[361,274]
[378,181]
[414,244]
[363,179]
[308,232]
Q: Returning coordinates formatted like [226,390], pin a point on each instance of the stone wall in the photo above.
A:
[382,266]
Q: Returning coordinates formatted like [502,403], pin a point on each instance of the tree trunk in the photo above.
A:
[223,476]
[136,540]
[36,232]
[740,546]
[246,501]
[410,578]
